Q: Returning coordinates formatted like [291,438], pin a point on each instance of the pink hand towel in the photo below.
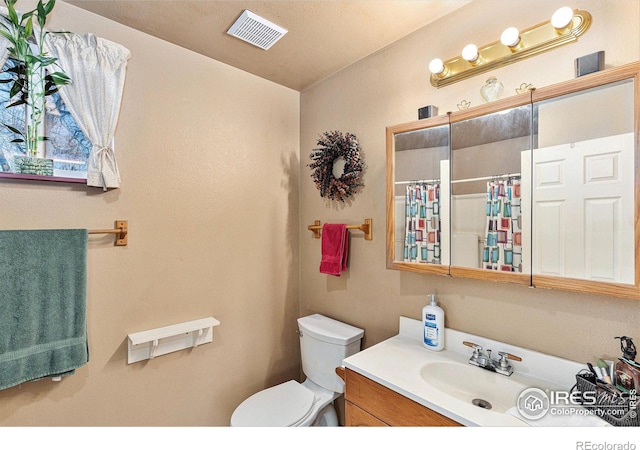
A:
[335,246]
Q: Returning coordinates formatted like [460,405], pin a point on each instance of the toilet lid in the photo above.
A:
[279,406]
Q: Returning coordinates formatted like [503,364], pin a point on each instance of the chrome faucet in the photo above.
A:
[484,360]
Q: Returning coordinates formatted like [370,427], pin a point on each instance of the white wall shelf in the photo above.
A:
[160,341]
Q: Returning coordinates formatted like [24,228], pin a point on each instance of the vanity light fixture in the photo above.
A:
[511,38]
[562,18]
[470,53]
[565,26]
[436,66]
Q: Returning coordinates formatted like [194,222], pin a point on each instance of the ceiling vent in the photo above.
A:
[256,30]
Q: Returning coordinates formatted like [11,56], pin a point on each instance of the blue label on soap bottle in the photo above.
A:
[430,333]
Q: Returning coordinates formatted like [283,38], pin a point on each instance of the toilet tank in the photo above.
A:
[324,343]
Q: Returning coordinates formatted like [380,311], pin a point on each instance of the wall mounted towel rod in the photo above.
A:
[366,227]
[121,231]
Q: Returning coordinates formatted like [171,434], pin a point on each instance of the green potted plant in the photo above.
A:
[32,80]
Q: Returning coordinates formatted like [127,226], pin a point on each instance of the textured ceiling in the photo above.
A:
[323,36]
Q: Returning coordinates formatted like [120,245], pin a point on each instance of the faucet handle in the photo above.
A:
[504,368]
[471,344]
[504,356]
[476,348]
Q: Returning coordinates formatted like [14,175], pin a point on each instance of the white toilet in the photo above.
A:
[324,343]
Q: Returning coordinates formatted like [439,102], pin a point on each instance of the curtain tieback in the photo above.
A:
[102,155]
[104,159]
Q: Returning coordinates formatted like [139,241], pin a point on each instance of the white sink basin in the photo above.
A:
[474,385]
[446,383]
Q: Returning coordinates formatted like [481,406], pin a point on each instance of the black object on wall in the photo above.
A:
[427,111]
[590,63]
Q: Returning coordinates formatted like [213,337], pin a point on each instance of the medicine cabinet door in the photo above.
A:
[418,196]
[585,185]
[490,178]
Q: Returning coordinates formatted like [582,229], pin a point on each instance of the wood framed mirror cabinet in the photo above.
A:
[539,189]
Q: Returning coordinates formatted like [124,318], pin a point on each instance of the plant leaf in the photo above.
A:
[18,69]
[17,103]
[59,78]
[30,59]
[46,60]
[28,28]
[15,89]
[13,15]
[8,36]
[42,14]
[15,130]
[48,7]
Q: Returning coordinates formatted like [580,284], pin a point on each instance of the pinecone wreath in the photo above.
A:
[333,146]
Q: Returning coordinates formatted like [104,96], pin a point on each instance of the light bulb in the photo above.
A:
[436,66]
[470,53]
[510,37]
[562,17]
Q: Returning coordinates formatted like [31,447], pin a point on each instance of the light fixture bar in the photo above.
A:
[537,39]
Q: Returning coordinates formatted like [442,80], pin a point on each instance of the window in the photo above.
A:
[66,144]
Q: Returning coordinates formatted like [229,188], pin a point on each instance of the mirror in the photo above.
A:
[583,187]
[420,197]
[539,189]
[490,163]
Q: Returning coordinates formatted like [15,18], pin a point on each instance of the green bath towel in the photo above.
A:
[43,289]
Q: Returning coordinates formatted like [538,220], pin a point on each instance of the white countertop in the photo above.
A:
[396,363]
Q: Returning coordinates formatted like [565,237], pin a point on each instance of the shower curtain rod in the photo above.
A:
[418,181]
[493,177]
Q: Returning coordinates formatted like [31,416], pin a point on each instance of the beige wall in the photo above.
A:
[209,161]
[387,89]
[230,149]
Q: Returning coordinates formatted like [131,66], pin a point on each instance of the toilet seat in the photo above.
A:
[284,405]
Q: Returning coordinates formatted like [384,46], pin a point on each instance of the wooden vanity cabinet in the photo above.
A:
[368,403]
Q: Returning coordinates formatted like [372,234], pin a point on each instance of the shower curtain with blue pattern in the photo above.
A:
[422,223]
[503,242]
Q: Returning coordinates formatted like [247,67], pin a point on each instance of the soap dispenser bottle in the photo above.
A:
[627,370]
[433,322]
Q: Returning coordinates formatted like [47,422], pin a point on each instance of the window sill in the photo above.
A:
[21,176]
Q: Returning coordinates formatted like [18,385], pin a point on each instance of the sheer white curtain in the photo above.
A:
[97,70]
